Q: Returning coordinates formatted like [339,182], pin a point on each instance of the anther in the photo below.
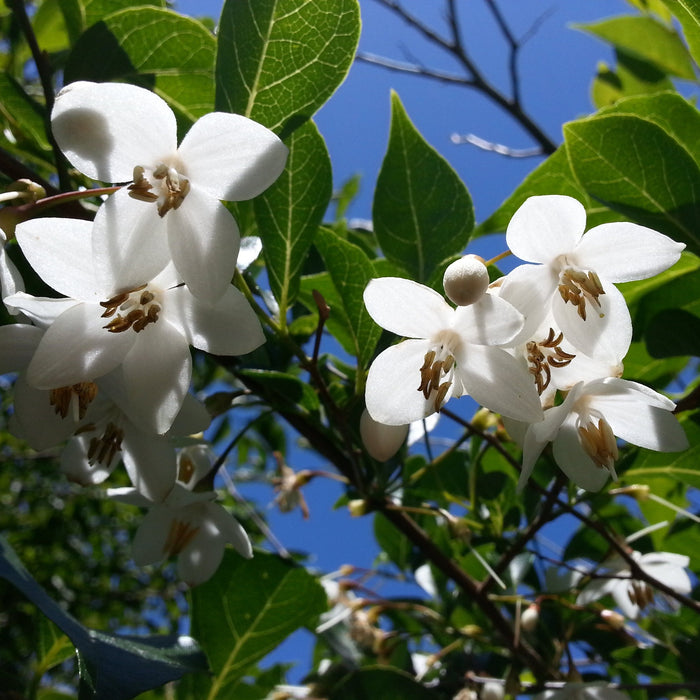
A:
[179,536]
[104,448]
[76,397]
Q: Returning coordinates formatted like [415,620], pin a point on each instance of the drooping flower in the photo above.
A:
[116,132]
[145,329]
[575,275]
[449,352]
[631,595]
[186,524]
[583,429]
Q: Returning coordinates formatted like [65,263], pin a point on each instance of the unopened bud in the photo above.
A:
[530,617]
[358,507]
[471,630]
[640,492]
[380,440]
[484,419]
[492,690]
[466,280]
[613,619]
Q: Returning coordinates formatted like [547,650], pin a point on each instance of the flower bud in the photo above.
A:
[358,507]
[530,617]
[612,618]
[492,690]
[381,441]
[466,280]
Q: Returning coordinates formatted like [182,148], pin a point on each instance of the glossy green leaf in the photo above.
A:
[246,609]
[157,48]
[637,168]
[386,683]
[279,60]
[351,270]
[422,211]
[644,37]
[688,14]
[655,6]
[53,648]
[284,390]
[112,667]
[395,545]
[289,212]
[641,367]
[24,116]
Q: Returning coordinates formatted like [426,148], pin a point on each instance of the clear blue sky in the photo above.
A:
[557,66]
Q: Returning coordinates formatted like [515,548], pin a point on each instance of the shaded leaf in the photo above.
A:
[386,683]
[284,389]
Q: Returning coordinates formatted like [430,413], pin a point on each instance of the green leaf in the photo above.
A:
[688,14]
[53,648]
[289,212]
[351,270]
[641,367]
[23,115]
[284,389]
[384,682]
[280,60]
[118,666]
[639,169]
[422,211]
[647,39]
[395,545]
[247,608]
[157,48]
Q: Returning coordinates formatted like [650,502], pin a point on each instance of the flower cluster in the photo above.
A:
[107,365]
[543,346]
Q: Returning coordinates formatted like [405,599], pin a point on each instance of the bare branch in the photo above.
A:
[499,148]
[415,69]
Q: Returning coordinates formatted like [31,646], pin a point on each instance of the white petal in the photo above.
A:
[407,308]
[621,252]
[672,575]
[10,279]
[76,466]
[150,463]
[573,459]
[129,495]
[499,382]
[42,311]
[76,348]
[105,129]
[232,157]
[204,240]
[614,388]
[148,546]
[199,561]
[251,247]
[629,609]
[18,342]
[192,418]
[60,251]
[157,374]
[392,395]
[230,528]
[489,321]
[228,327]
[653,559]
[596,589]
[381,441]
[545,227]
[130,243]
[607,331]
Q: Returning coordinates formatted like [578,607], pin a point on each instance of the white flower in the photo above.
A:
[10,279]
[583,429]
[186,524]
[116,132]
[146,329]
[449,353]
[576,272]
[633,596]
[582,691]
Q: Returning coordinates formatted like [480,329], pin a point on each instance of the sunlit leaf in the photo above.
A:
[688,14]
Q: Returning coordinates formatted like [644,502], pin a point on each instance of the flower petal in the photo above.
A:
[489,321]
[77,348]
[228,327]
[192,418]
[10,279]
[60,251]
[157,375]
[596,589]
[105,129]
[77,467]
[201,558]
[545,227]
[230,529]
[42,311]
[18,342]
[204,240]
[392,395]
[232,157]
[407,308]
[148,546]
[621,252]
[150,463]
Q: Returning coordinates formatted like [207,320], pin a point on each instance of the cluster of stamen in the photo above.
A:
[600,444]
[578,287]
[103,449]
[139,306]
[179,536]
[74,398]
[640,593]
[541,361]
[431,374]
[173,190]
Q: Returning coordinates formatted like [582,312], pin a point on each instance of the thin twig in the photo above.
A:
[499,148]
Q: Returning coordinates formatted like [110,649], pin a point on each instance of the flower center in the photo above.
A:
[599,443]
[74,399]
[104,448]
[545,354]
[436,372]
[180,535]
[579,287]
[168,190]
[640,593]
[140,308]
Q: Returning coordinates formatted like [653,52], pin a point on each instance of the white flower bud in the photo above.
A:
[380,440]
[492,690]
[530,617]
[466,280]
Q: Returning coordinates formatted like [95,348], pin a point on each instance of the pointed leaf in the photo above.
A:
[688,14]
[422,211]
[280,60]
[351,270]
[289,212]
[152,47]
[247,608]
